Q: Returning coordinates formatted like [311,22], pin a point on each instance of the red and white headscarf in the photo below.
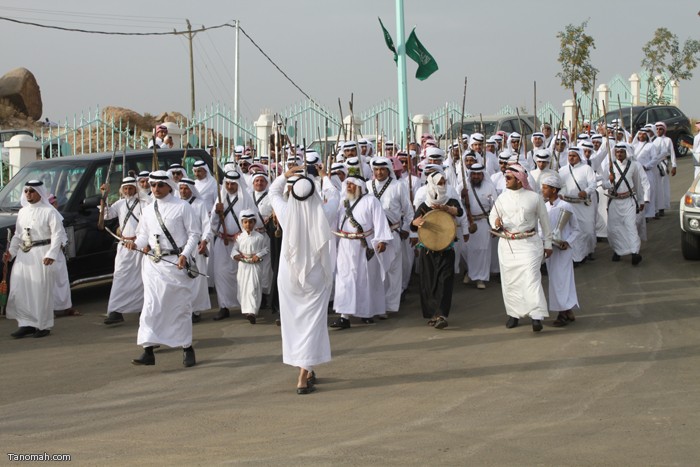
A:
[519,173]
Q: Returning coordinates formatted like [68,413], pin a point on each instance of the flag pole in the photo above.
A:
[401,71]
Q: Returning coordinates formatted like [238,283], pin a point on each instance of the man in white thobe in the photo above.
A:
[205,182]
[305,276]
[520,251]
[34,247]
[578,187]
[200,289]
[362,264]
[126,295]
[394,199]
[667,166]
[169,231]
[225,224]
[628,190]
[560,268]
[482,195]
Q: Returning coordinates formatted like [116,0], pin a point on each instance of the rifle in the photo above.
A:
[607,139]
[154,163]
[3,284]
[470,218]
[184,156]
[105,191]
[523,140]
[352,118]
[558,136]
[342,122]
[222,220]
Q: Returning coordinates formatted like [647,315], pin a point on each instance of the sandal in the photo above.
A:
[432,322]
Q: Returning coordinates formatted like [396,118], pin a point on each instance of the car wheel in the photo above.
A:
[680,149]
[690,246]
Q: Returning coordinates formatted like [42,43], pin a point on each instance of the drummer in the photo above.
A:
[436,268]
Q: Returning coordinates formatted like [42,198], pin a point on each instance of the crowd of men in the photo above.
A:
[309,235]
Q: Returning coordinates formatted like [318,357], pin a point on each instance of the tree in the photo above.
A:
[574,56]
[665,61]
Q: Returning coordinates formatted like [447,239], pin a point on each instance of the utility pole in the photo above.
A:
[190,36]
[235,88]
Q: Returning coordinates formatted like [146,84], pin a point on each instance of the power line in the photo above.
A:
[113,33]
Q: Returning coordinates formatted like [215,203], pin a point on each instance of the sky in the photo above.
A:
[330,48]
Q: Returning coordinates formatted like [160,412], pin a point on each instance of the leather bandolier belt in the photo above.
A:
[478,217]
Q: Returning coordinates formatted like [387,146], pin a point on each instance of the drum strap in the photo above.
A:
[349,217]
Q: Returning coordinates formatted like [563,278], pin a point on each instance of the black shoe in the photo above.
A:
[146,358]
[251,318]
[636,259]
[561,320]
[341,323]
[114,317]
[536,325]
[222,314]
[440,323]
[512,322]
[661,213]
[196,318]
[42,333]
[615,257]
[590,257]
[368,320]
[311,379]
[278,323]
[23,331]
[188,359]
[307,390]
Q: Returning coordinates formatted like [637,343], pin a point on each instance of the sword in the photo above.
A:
[187,265]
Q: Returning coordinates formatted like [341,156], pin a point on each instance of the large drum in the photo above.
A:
[438,230]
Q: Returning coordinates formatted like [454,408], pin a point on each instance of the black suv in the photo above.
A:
[677,124]
[76,181]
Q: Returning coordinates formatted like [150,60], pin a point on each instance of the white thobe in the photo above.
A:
[304,308]
[397,208]
[166,317]
[623,236]
[696,155]
[224,270]
[208,189]
[667,155]
[249,276]
[30,299]
[479,245]
[126,295]
[560,267]
[359,287]
[200,288]
[648,156]
[262,201]
[581,177]
[520,260]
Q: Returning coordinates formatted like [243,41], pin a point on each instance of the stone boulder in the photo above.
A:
[20,89]
[175,117]
[128,117]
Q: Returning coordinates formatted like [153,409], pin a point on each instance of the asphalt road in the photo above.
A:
[617,387]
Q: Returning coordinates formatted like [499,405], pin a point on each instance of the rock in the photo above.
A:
[19,88]
[175,117]
[128,117]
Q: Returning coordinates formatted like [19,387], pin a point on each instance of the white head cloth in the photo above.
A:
[307,236]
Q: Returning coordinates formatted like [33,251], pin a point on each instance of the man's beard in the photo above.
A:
[476,183]
[351,196]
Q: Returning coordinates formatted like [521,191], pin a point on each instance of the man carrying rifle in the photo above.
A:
[226,224]
[126,295]
[628,190]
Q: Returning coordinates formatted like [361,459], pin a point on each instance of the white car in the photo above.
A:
[690,221]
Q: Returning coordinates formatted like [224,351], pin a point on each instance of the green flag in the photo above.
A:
[426,63]
[389,41]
